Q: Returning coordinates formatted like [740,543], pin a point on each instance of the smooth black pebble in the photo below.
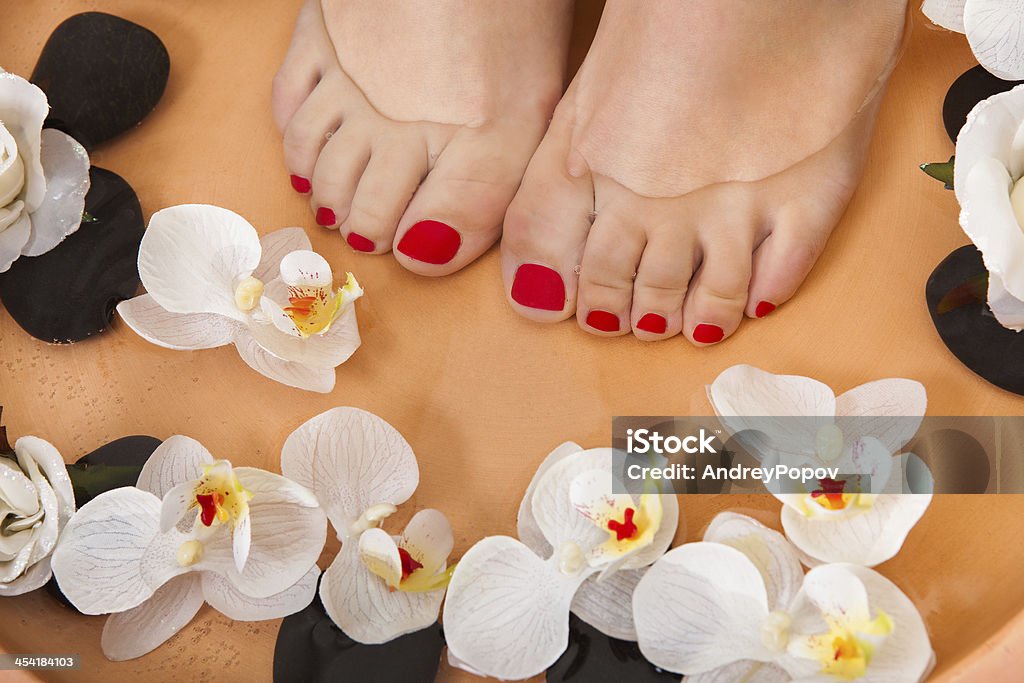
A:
[969,330]
[311,649]
[102,75]
[69,294]
[973,86]
[593,657]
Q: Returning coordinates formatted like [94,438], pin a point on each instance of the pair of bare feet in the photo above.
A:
[690,173]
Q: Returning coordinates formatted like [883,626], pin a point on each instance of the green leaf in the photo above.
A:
[90,481]
[973,291]
[941,170]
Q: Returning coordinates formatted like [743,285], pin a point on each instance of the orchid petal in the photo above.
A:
[352,460]
[428,538]
[747,671]
[66,166]
[192,257]
[363,606]
[775,557]
[528,530]
[507,611]
[234,604]
[241,541]
[607,603]
[318,379]
[142,629]
[379,553]
[553,509]
[179,331]
[306,269]
[948,14]
[327,350]
[13,238]
[867,538]
[699,607]
[994,29]
[867,457]
[23,108]
[276,246]
[177,460]
[274,488]
[176,504]
[889,410]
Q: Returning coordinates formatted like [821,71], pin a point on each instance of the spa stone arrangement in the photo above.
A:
[592,587]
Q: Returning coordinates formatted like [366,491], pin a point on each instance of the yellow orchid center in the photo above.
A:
[832,495]
[846,650]
[632,527]
[313,309]
[220,496]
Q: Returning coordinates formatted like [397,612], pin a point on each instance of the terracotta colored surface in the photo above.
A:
[481,394]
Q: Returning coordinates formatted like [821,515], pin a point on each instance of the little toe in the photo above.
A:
[338,171]
[610,261]
[662,281]
[717,295]
[307,133]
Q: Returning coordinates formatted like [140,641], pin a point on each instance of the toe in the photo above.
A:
[392,175]
[661,282]
[545,232]
[456,214]
[308,130]
[302,66]
[717,294]
[337,173]
[610,261]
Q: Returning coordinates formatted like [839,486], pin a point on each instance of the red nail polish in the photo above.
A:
[360,243]
[603,321]
[540,287]
[325,217]
[764,308]
[431,242]
[653,323]
[301,185]
[707,334]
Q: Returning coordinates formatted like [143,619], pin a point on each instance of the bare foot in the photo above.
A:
[697,164]
[411,123]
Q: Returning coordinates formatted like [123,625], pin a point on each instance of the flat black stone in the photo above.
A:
[69,293]
[969,330]
[973,86]
[311,649]
[593,657]
[102,75]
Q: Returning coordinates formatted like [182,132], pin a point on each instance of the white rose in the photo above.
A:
[44,175]
[36,501]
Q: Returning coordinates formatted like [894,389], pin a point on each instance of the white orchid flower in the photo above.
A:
[798,421]
[989,167]
[583,549]
[736,607]
[44,175]
[243,540]
[36,502]
[379,587]
[211,281]
[993,29]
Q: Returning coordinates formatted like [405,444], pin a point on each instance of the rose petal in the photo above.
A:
[351,460]
[994,29]
[31,579]
[1008,309]
[607,604]
[306,269]
[528,530]
[23,108]
[867,539]
[45,532]
[700,607]
[428,538]
[363,606]
[946,13]
[327,350]
[51,463]
[66,165]
[889,410]
[179,331]
[276,246]
[507,610]
[297,375]
[13,239]
[192,257]
[17,489]
[234,604]
[142,629]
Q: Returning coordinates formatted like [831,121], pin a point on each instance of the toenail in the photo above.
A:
[705,333]
[325,217]
[764,308]
[360,243]
[301,185]
[653,323]
[540,287]
[603,321]
[431,242]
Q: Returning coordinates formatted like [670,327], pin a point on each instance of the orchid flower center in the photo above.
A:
[371,518]
[314,308]
[409,563]
[626,529]
[220,496]
[846,650]
[832,496]
[633,527]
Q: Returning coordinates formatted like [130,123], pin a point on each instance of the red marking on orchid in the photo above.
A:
[409,564]
[624,529]
[300,305]
[208,503]
[832,489]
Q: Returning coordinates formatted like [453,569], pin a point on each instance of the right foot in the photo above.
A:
[411,123]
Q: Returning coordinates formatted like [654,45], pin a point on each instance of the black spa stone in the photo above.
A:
[69,293]
[973,86]
[311,649]
[102,75]
[956,300]
[593,657]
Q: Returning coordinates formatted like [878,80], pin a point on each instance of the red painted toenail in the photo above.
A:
[325,217]
[431,242]
[301,185]
[360,243]
[653,323]
[764,308]
[603,321]
[707,334]
[540,287]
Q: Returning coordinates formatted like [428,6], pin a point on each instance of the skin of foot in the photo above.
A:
[410,123]
[698,162]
